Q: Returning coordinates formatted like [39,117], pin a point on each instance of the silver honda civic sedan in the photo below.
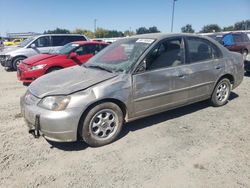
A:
[130,79]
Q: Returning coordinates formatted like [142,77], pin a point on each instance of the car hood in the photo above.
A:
[67,81]
[8,49]
[40,57]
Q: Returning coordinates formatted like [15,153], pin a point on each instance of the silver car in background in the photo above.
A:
[130,79]
[11,57]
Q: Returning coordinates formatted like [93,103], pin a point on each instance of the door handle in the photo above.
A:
[181,75]
[218,67]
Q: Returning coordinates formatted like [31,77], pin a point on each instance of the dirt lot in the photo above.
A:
[194,146]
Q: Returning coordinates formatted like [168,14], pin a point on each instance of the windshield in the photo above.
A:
[27,41]
[120,56]
[66,49]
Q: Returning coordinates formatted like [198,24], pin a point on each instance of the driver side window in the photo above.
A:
[42,42]
[166,54]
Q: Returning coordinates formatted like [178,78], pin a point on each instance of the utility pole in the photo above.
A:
[95,20]
[172,24]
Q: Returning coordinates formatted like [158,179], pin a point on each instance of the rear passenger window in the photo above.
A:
[201,50]
[76,38]
[59,40]
[62,40]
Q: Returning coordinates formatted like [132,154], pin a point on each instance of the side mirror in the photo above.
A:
[142,67]
[33,45]
[72,55]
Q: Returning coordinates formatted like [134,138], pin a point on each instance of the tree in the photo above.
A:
[57,31]
[228,28]
[210,28]
[143,30]
[153,29]
[101,33]
[243,25]
[128,33]
[187,29]
[85,32]
[114,33]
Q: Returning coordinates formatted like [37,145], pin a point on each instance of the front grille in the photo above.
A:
[2,57]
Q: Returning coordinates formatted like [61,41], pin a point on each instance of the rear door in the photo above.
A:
[205,64]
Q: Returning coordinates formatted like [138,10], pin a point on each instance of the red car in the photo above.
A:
[75,53]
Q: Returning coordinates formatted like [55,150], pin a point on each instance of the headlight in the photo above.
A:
[7,57]
[36,67]
[55,103]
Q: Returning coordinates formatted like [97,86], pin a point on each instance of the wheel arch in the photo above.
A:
[52,67]
[119,103]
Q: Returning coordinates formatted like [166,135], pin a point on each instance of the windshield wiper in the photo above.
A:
[98,67]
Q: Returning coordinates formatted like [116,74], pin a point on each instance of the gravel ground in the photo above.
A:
[193,146]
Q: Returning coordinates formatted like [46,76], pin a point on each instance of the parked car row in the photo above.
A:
[75,53]
[13,42]
[132,78]
[12,57]
[234,41]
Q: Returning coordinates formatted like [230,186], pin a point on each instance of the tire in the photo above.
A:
[16,62]
[102,124]
[221,93]
[52,69]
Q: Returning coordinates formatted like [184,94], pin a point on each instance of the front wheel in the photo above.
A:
[102,124]
[16,62]
[221,93]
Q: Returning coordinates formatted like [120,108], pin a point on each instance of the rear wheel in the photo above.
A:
[102,124]
[221,93]
[16,62]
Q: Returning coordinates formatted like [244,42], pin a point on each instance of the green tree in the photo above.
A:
[242,25]
[85,32]
[57,31]
[228,28]
[143,30]
[128,33]
[187,29]
[153,29]
[210,28]
[101,33]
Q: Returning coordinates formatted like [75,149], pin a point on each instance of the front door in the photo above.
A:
[163,85]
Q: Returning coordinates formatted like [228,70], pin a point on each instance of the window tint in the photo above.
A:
[87,49]
[62,40]
[240,37]
[201,50]
[166,54]
[76,38]
[81,50]
[92,48]
[102,46]
[42,41]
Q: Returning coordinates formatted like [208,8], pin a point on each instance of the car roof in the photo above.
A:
[163,35]
[88,42]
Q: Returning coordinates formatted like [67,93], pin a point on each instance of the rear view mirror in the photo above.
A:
[72,55]
[33,45]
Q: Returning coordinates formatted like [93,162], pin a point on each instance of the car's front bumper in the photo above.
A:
[60,126]
[28,76]
[6,63]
